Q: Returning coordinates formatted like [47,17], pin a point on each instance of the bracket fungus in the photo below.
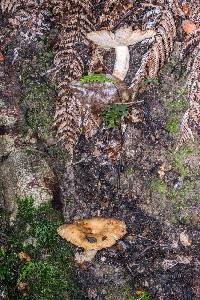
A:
[120,40]
[93,234]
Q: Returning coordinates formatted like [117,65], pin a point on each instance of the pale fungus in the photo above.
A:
[120,40]
[93,234]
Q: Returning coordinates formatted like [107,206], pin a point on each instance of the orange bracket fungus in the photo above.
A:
[93,234]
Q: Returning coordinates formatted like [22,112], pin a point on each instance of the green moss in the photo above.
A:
[184,191]
[95,78]
[38,93]
[178,105]
[198,197]
[176,108]
[178,159]
[51,266]
[173,125]
[131,172]
[152,81]
[181,198]
[159,186]
[113,115]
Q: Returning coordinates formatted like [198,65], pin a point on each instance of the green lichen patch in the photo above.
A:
[113,115]
[47,272]
[95,78]
[38,92]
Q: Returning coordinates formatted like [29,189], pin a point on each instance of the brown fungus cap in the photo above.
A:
[93,234]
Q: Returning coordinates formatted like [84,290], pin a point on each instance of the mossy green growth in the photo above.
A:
[180,104]
[49,273]
[113,115]
[178,159]
[137,295]
[176,108]
[173,125]
[152,81]
[95,78]
[184,192]
[38,92]
[159,186]
[131,172]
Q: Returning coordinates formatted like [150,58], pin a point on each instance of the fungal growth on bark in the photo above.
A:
[120,40]
[93,234]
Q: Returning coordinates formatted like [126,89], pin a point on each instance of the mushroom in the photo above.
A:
[92,234]
[120,40]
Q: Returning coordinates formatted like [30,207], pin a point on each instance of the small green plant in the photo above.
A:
[113,115]
[95,78]
[49,267]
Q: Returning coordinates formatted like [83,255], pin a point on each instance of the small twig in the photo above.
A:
[78,162]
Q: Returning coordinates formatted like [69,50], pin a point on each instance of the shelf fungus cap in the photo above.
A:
[93,234]
[120,40]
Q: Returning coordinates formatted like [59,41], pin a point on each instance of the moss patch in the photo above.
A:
[95,78]
[181,197]
[38,93]
[159,186]
[47,271]
[176,108]
[173,125]
[181,159]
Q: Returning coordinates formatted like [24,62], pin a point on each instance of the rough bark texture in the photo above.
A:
[137,172]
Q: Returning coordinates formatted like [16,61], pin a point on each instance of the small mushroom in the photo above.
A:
[93,234]
[120,40]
